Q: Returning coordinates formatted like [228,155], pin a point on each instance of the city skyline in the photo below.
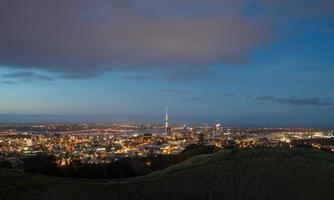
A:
[166,99]
[244,63]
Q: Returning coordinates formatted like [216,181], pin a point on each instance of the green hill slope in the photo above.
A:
[294,174]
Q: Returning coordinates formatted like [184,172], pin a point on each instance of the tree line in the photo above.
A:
[123,167]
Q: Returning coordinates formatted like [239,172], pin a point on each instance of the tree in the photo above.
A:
[5,165]
[44,164]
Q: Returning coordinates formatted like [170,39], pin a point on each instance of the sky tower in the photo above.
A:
[166,121]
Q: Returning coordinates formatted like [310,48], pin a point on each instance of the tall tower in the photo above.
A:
[166,121]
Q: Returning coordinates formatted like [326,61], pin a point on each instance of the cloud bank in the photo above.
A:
[83,38]
[295,101]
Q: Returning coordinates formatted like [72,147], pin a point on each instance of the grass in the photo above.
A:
[304,174]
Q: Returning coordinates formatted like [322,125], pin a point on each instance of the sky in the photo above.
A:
[241,62]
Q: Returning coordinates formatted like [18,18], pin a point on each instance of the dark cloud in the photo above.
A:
[9,82]
[295,101]
[175,91]
[195,99]
[80,39]
[138,77]
[83,38]
[27,76]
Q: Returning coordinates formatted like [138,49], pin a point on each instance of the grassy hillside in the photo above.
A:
[303,174]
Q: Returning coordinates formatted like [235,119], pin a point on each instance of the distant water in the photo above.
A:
[104,119]
[174,119]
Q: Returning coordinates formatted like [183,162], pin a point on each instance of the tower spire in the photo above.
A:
[166,121]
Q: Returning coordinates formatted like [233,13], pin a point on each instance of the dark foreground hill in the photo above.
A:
[268,174]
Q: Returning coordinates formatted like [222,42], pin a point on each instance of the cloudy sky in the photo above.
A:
[241,62]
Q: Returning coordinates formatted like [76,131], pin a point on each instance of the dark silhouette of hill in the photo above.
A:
[231,174]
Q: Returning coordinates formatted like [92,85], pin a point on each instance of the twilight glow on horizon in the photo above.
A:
[243,61]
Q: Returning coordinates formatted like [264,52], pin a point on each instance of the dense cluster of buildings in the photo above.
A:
[105,143]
